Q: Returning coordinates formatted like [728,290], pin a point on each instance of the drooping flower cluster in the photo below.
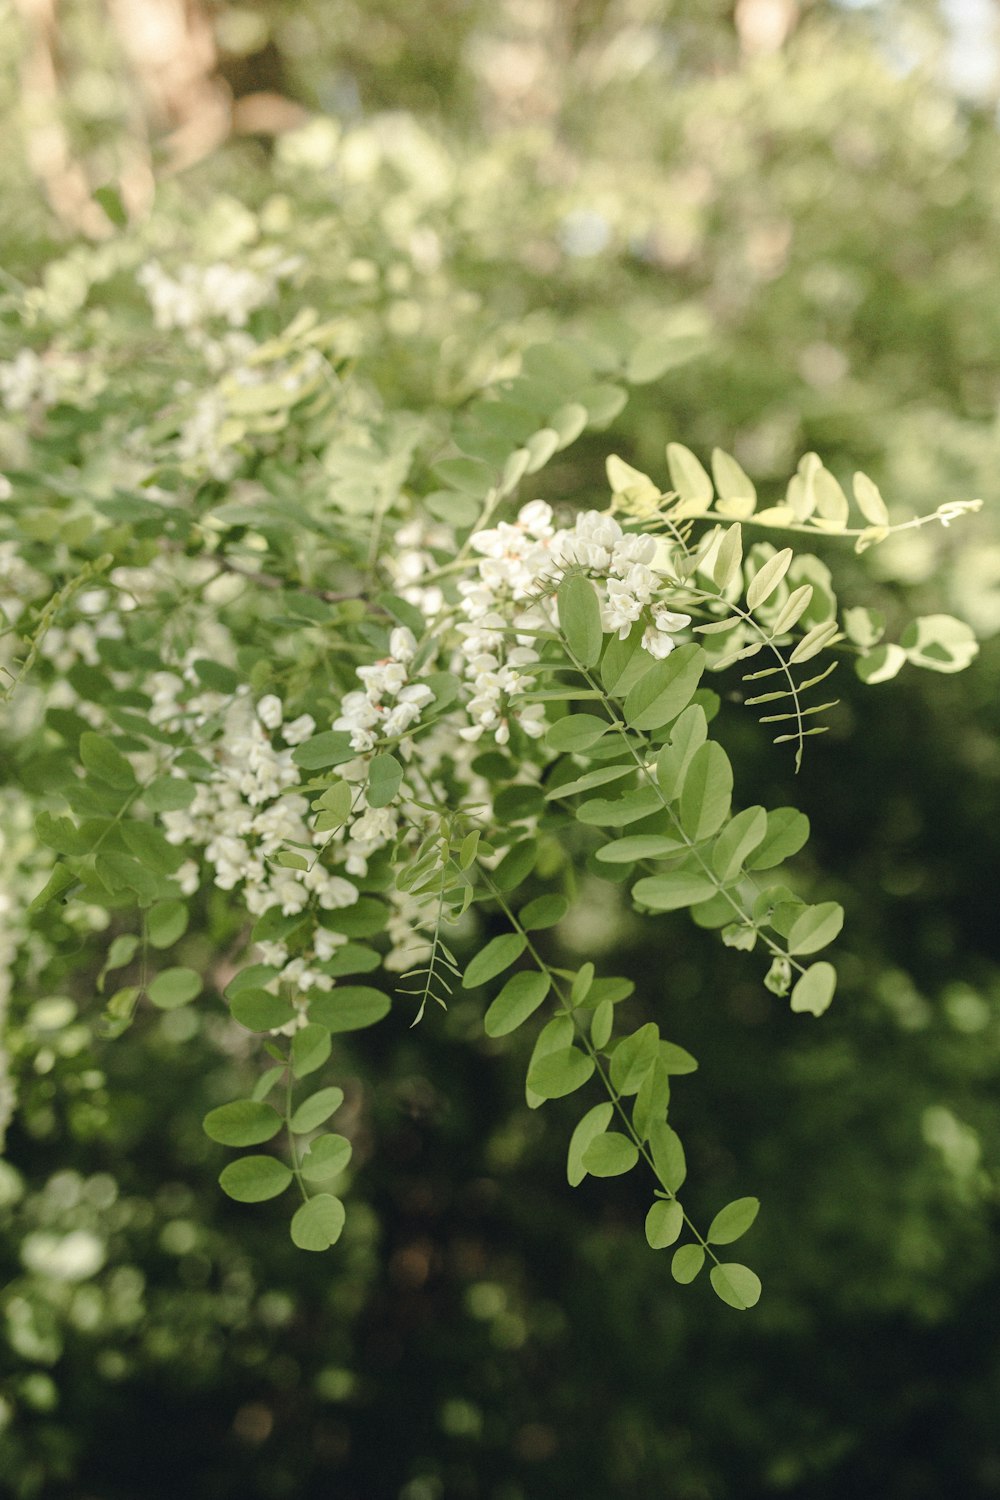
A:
[519,563]
[201,293]
[622,562]
[249,812]
[389,703]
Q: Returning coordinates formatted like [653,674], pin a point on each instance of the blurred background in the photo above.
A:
[809,193]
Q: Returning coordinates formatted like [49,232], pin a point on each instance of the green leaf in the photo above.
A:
[736,1284]
[609,1155]
[258,1010]
[317,1224]
[559,1073]
[708,788]
[687,735]
[253,1179]
[672,890]
[327,1157]
[331,748]
[787,832]
[150,846]
[686,1263]
[688,475]
[385,776]
[583,981]
[520,998]
[311,1046]
[617,812]
[544,911]
[639,846]
[349,1007]
[623,479]
[623,661]
[793,609]
[289,861]
[738,839]
[62,835]
[652,1100]
[733,1221]
[101,758]
[869,501]
[174,987]
[266,1082]
[736,490]
[817,926]
[729,556]
[352,958]
[60,880]
[813,642]
[516,865]
[121,952]
[242,1123]
[122,875]
[468,850]
[668,1156]
[316,1110]
[580,618]
[119,1011]
[602,1024]
[881,664]
[166,923]
[767,578]
[677,1059]
[499,953]
[587,782]
[633,1057]
[109,200]
[939,643]
[576,732]
[168,794]
[593,1124]
[814,989]
[664,689]
[664,1223]
[865,627]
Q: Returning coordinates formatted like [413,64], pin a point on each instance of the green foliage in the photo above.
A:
[252,513]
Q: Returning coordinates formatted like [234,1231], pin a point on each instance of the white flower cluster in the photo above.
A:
[64,646]
[389,704]
[515,559]
[200,293]
[202,437]
[248,813]
[518,561]
[622,562]
[412,558]
[27,379]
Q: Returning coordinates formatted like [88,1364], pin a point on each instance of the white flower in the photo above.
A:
[299,729]
[634,548]
[375,823]
[536,519]
[270,711]
[666,619]
[187,877]
[384,679]
[402,644]
[657,643]
[325,943]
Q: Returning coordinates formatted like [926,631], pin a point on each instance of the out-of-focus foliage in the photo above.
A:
[816,228]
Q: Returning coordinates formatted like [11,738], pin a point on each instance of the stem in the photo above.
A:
[616,1099]
[619,728]
[293,1149]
